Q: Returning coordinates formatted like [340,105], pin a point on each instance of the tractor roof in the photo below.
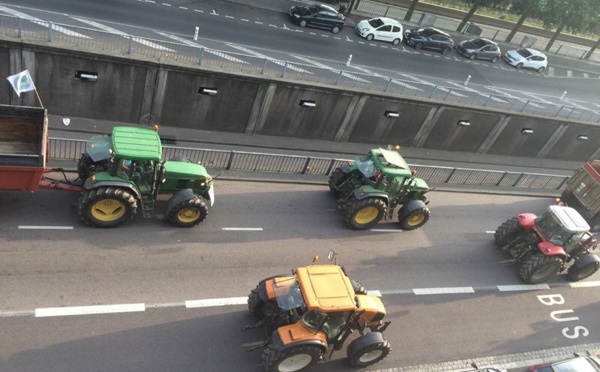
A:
[569,219]
[326,288]
[390,162]
[136,143]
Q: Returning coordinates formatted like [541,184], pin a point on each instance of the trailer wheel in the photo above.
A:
[413,215]
[540,267]
[297,358]
[368,349]
[107,206]
[188,213]
[507,232]
[364,213]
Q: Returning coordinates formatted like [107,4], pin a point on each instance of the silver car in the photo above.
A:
[526,58]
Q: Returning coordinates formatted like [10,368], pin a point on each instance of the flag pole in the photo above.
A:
[38,97]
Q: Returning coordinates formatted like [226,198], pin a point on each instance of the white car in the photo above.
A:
[380,28]
[528,58]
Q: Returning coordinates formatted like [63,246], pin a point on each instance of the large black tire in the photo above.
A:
[507,232]
[259,308]
[413,215]
[107,206]
[579,273]
[539,267]
[83,166]
[595,224]
[364,213]
[188,213]
[368,349]
[336,178]
[294,359]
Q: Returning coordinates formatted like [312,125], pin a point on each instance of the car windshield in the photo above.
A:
[313,8]
[288,294]
[375,22]
[478,43]
[365,166]
[576,365]
[524,53]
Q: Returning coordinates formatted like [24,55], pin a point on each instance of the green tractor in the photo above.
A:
[369,189]
[123,172]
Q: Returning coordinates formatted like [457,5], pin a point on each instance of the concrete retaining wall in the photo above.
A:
[146,92]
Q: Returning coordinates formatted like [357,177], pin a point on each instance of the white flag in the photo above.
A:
[21,82]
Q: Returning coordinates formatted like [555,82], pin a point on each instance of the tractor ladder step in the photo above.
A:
[148,206]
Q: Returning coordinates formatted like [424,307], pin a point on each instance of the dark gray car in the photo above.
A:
[317,15]
[480,48]
[429,38]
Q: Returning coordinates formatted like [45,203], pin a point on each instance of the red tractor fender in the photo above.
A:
[527,220]
[549,249]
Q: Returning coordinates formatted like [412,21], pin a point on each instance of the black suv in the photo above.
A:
[429,38]
[317,15]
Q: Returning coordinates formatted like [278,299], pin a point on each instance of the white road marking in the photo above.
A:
[386,230]
[550,71]
[522,287]
[244,20]
[569,73]
[277,62]
[585,284]
[25,227]
[198,10]
[490,232]
[537,98]
[258,23]
[217,302]
[242,229]
[318,64]
[397,82]
[84,310]
[166,4]
[183,7]
[448,290]
[230,17]
[7,314]
[493,89]
[121,33]
[38,21]
[464,87]
[214,13]
[374,293]
[425,82]
[207,50]
[585,75]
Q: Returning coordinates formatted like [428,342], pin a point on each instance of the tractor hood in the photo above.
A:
[182,170]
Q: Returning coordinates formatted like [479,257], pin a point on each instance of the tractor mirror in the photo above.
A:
[331,255]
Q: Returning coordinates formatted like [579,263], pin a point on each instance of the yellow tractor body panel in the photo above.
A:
[326,288]
[373,307]
[281,283]
[297,332]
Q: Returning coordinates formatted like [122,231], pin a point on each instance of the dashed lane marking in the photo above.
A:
[216,302]
[569,73]
[386,230]
[207,50]
[337,71]
[397,82]
[26,227]
[446,290]
[277,62]
[550,71]
[464,87]
[86,310]
[585,284]
[242,229]
[585,75]
[522,287]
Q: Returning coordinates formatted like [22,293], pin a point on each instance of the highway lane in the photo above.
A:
[224,28]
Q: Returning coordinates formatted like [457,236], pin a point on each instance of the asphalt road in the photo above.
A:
[256,230]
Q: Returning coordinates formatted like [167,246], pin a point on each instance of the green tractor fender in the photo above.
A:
[369,191]
[179,197]
[118,182]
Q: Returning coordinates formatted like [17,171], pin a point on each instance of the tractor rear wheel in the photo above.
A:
[507,232]
[258,308]
[540,267]
[368,349]
[580,273]
[413,215]
[294,359]
[336,178]
[188,213]
[107,206]
[364,213]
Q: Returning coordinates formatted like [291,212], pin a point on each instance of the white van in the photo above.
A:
[380,28]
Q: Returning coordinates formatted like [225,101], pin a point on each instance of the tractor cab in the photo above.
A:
[562,226]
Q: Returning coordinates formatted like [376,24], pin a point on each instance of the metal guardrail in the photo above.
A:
[102,41]
[69,149]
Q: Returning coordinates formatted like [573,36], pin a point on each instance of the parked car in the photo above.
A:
[429,38]
[380,28]
[528,58]
[579,364]
[480,48]
[476,368]
[317,15]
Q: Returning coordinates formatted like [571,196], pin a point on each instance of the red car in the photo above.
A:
[579,364]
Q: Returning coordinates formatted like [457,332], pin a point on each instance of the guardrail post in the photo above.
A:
[230,161]
[284,68]
[496,34]
[388,85]
[450,175]
[526,103]
[130,45]
[386,11]
[558,50]
[306,165]
[264,67]
[559,111]
[488,101]
[330,167]
[49,31]
[572,109]
[339,77]
[447,94]
[20,28]
[518,179]
[433,91]
[200,56]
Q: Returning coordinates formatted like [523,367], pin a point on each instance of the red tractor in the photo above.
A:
[543,245]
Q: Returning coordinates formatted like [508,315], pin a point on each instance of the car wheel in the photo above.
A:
[446,51]
[369,37]
[495,59]
[302,23]
[472,56]
[396,41]
[541,69]
[519,65]
[335,29]
[419,46]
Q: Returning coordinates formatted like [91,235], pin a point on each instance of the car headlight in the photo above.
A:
[296,16]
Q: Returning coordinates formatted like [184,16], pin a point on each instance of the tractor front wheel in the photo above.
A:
[413,215]
[580,273]
[507,232]
[188,213]
[540,267]
[364,213]
[293,359]
[107,206]
[368,349]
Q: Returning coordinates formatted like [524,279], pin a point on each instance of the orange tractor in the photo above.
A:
[311,314]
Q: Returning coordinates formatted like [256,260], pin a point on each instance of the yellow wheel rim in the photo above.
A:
[108,210]
[416,219]
[366,215]
[187,215]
